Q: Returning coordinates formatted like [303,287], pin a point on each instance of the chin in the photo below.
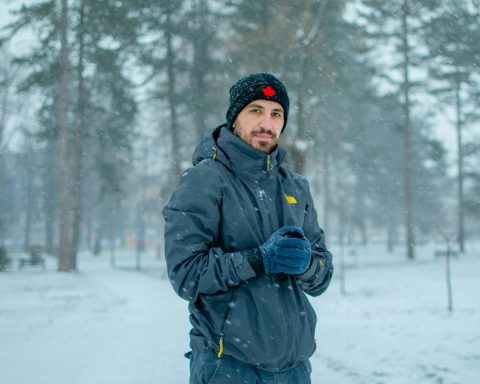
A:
[263,148]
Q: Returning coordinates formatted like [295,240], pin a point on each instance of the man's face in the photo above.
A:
[260,124]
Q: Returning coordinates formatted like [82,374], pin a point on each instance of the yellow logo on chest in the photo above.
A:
[291,199]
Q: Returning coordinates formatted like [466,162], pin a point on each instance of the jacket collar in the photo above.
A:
[246,161]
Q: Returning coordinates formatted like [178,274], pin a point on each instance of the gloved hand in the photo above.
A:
[286,250]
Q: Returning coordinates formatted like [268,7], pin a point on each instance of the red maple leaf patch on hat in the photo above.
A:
[268,91]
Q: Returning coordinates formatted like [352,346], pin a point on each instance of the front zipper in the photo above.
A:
[231,305]
[268,162]
[220,349]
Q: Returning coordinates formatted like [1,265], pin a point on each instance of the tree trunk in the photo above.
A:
[29,195]
[112,232]
[174,131]
[299,153]
[88,237]
[3,122]
[7,83]
[326,193]
[3,201]
[65,263]
[461,220]
[390,236]
[50,202]
[79,137]
[359,211]
[342,222]
[140,249]
[200,52]
[410,240]
[392,222]
[3,116]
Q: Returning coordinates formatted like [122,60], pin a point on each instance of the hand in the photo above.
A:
[286,250]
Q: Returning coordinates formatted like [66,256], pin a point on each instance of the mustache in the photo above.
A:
[267,131]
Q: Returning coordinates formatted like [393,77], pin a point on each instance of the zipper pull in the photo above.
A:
[268,163]
[220,351]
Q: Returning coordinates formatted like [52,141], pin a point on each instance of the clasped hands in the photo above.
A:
[287,250]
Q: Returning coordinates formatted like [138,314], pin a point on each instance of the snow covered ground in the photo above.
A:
[122,326]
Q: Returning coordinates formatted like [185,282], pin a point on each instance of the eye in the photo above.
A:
[276,114]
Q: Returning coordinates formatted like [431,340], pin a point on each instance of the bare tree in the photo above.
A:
[453,46]
[407,128]
[65,262]
[5,86]
[79,137]
[172,95]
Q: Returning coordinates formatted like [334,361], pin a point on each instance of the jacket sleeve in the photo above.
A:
[195,264]
[317,277]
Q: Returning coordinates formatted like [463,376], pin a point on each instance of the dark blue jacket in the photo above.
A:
[230,202]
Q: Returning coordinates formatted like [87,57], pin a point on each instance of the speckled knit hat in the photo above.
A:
[257,86]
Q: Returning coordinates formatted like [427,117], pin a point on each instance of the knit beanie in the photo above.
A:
[257,86]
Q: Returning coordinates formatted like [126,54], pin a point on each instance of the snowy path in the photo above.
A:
[98,326]
[106,325]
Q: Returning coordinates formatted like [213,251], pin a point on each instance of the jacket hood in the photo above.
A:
[207,146]
[222,145]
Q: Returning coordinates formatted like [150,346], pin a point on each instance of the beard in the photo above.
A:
[263,145]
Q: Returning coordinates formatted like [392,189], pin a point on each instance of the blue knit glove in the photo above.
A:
[286,250]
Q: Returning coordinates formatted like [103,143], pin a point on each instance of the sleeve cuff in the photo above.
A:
[316,265]
[253,258]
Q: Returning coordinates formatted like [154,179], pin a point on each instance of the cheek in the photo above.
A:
[242,132]
[247,128]
[278,128]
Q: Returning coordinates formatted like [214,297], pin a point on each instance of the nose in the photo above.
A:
[267,122]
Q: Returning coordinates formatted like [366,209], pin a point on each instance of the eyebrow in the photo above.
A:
[261,107]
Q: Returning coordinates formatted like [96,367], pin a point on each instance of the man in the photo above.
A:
[243,246]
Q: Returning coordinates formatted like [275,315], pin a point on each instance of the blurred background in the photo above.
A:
[102,103]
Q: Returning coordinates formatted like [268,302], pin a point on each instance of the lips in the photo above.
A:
[263,136]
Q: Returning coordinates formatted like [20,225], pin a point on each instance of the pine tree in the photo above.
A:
[102,107]
[398,22]
[165,70]
[7,75]
[65,262]
[452,36]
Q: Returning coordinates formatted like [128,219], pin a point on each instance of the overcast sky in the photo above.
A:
[5,6]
